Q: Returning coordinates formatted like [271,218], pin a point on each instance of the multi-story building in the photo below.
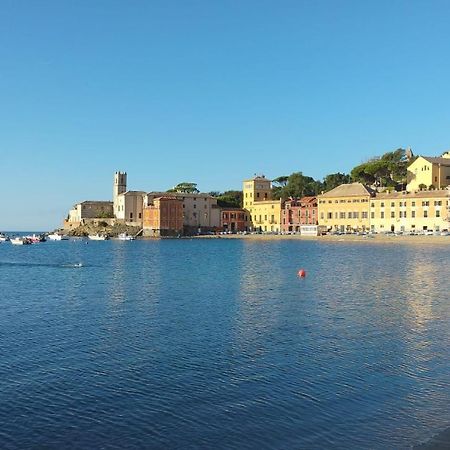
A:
[129,207]
[164,217]
[200,211]
[88,210]
[264,214]
[233,219]
[345,208]
[429,173]
[410,211]
[299,212]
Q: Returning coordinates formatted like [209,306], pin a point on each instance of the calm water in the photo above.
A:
[217,344]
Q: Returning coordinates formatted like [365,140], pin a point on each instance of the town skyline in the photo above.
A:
[210,93]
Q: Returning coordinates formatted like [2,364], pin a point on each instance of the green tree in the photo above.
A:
[185,187]
[387,170]
[334,180]
[230,199]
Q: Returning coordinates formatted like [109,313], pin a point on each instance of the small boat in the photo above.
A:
[125,237]
[20,241]
[57,237]
[35,238]
[98,237]
[3,238]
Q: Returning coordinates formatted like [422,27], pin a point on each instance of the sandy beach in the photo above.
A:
[378,238]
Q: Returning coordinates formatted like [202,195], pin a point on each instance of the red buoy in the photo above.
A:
[302,273]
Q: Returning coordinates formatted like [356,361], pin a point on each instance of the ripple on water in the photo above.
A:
[218,344]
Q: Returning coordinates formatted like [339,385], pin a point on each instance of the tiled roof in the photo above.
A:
[349,190]
[441,161]
[178,194]
[416,194]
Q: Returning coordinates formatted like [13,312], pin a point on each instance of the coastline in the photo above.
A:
[379,239]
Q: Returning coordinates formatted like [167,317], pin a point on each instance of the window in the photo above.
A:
[438,203]
[425,213]
[392,205]
[342,215]
[349,215]
[257,195]
[413,214]
[131,215]
[329,215]
[438,213]
[382,215]
[382,204]
[356,215]
[392,214]
[364,214]
[413,203]
[372,215]
[321,215]
[140,215]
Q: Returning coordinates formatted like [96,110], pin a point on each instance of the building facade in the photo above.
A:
[429,173]
[87,210]
[164,217]
[200,211]
[233,219]
[410,211]
[345,208]
[296,213]
[263,213]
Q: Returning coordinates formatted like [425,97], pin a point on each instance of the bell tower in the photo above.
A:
[119,187]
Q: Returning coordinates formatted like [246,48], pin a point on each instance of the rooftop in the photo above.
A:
[441,161]
[415,194]
[349,190]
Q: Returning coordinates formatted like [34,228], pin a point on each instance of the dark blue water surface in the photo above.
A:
[218,344]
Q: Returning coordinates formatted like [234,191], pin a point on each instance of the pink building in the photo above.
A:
[297,212]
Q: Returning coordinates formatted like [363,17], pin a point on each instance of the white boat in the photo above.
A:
[125,237]
[3,237]
[57,237]
[98,237]
[20,241]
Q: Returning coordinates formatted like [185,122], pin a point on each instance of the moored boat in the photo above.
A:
[125,237]
[20,241]
[57,237]
[3,238]
[98,237]
[35,238]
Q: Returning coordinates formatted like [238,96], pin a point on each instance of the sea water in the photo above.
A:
[217,343]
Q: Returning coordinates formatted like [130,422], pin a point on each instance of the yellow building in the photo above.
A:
[345,208]
[426,171]
[410,211]
[264,213]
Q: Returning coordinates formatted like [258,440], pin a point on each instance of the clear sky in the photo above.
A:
[210,92]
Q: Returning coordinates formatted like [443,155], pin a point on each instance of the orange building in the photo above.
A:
[233,219]
[164,217]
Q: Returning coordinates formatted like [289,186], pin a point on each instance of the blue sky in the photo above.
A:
[210,92]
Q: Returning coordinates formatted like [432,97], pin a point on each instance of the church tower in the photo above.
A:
[119,187]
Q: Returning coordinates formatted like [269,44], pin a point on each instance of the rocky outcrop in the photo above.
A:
[103,228]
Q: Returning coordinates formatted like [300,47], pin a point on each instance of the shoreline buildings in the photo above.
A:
[424,205]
